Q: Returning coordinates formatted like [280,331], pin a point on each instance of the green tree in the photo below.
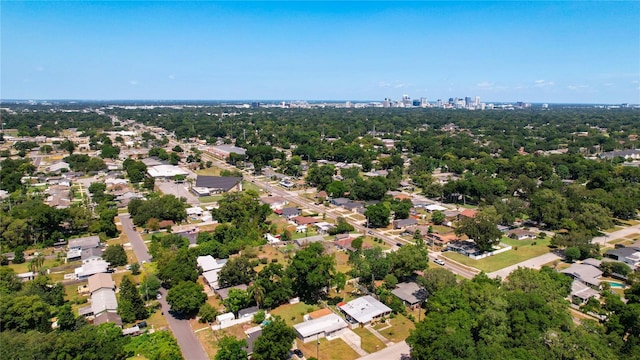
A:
[23,313]
[159,345]
[130,304]
[236,271]
[68,146]
[311,270]
[437,217]
[186,297]
[230,348]
[149,286]
[571,254]
[66,319]
[481,229]
[275,341]
[115,255]
[378,215]
[9,282]
[207,313]
[237,300]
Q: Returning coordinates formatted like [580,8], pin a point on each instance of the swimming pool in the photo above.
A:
[616,284]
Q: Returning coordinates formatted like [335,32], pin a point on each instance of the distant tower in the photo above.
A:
[406,100]
[477,101]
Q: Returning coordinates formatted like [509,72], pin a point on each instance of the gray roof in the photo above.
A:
[404,222]
[248,311]
[91,252]
[103,300]
[107,316]
[224,293]
[592,262]
[230,149]
[625,252]
[340,201]
[222,183]
[582,291]
[84,242]
[251,339]
[586,273]
[290,211]
[410,292]
[309,240]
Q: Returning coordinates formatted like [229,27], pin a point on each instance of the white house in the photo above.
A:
[325,326]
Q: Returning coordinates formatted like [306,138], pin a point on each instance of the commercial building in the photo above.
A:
[223,151]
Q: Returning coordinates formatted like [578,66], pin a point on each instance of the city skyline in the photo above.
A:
[560,52]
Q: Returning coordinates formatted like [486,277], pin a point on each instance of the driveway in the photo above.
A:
[394,351]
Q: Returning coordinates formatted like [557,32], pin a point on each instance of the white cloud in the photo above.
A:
[543,83]
[39,68]
[172,77]
[577,87]
[133,82]
[399,85]
[485,85]
[384,84]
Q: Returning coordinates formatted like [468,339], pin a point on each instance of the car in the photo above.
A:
[438,261]
[158,296]
[370,232]
[399,244]
[298,353]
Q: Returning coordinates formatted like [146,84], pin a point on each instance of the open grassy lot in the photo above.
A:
[370,343]
[209,199]
[247,185]
[522,250]
[341,261]
[212,171]
[293,313]
[335,349]
[401,326]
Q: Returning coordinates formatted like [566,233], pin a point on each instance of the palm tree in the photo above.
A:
[257,292]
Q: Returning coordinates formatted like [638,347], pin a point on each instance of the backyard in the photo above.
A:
[293,313]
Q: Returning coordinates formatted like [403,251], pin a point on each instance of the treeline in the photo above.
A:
[48,123]
[523,318]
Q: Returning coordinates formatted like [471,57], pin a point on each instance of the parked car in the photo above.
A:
[298,353]
[439,262]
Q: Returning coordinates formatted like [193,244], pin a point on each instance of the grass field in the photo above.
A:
[522,250]
[209,199]
[293,313]
[401,326]
[370,343]
[335,349]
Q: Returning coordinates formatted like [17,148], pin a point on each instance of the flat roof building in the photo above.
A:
[324,326]
[365,310]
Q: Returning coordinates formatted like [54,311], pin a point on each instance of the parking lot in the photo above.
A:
[178,190]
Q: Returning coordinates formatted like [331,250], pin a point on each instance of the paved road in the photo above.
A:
[138,245]
[187,340]
[535,263]
[602,240]
[454,267]
[394,351]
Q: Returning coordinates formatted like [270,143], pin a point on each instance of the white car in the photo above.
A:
[438,261]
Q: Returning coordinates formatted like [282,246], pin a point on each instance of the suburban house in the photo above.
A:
[58,167]
[252,335]
[627,255]
[364,310]
[340,201]
[91,268]
[224,292]
[210,269]
[76,246]
[521,234]
[290,212]
[304,220]
[404,223]
[411,294]
[627,154]
[308,240]
[248,312]
[323,227]
[104,305]
[207,185]
[274,202]
[91,254]
[585,273]
[468,213]
[320,327]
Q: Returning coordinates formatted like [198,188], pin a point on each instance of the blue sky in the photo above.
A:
[585,52]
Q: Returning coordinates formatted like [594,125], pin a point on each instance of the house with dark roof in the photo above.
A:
[627,255]
[411,294]
[207,185]
[403,223]
[290,212]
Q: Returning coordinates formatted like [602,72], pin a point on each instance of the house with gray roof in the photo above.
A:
[411,294]
[364,310]
[207,185]
[325,326]
[588,274]
[627,255]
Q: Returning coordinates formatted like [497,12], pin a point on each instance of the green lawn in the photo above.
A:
[401,326]
[335,349]
[370,343]
[210,198]
[522,250]
[293,313]
[246,185]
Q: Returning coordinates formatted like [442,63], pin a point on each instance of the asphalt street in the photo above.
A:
[187,340]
